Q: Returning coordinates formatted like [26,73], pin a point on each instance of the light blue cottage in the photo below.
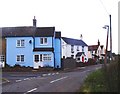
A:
[33,46]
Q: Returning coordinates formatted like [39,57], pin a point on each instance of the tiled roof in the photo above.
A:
[27,31]
[93,47]
[74,41]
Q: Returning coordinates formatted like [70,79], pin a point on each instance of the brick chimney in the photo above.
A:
[34,22]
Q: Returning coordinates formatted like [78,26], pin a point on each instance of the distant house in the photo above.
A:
[33,46]
[2,49]
[96,51]
[74,48]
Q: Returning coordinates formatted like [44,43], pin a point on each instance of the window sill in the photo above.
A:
[21,47]
[43,44]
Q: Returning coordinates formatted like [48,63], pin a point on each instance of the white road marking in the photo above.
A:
[31,90]
[44,74]
[49,73]
[57,72]
[26,79]
[58,79]
[53,73]
[82,67]
[18,80]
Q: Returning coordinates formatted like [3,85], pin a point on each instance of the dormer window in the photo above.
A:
[43,41]
[20,43]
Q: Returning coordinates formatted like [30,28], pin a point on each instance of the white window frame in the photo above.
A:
[44,58]
[20,58]
[47,57]
[2,58]
[45,41]
[38,58]
[20,43]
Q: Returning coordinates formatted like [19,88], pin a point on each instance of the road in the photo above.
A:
[49,82]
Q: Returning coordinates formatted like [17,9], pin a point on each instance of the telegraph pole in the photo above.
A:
[110,39]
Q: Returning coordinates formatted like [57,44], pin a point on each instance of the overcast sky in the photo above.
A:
[71,17]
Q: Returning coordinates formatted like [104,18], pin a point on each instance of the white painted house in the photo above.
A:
[96,51]
[75,48]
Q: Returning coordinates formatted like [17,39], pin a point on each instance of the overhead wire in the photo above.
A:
[104,7]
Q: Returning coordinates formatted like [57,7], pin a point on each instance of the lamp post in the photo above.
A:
[106,27]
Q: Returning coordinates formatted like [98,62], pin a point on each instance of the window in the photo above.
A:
[42,57]
[43,40]
[36,58]
[20,43]
[20,58]
[82,48]
[2,58]
[47,57]
[72,48]
[77,48]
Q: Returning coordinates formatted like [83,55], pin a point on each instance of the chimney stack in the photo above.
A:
[98,42]
[34,22]
[81,36]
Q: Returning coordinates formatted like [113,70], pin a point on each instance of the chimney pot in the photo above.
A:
[34,22]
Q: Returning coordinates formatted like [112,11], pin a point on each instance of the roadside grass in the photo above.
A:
[102,80]
[94,82]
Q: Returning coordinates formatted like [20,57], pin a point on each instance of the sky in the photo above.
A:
[71,17]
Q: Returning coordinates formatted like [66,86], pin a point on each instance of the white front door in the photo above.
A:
[38,61]
[41,60]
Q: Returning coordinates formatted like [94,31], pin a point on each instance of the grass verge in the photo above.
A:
[102,80]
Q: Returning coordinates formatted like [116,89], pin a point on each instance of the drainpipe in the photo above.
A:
[53,52]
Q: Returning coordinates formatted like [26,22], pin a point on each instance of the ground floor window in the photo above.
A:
[20,58]
[47,57]
[42,57]
[2,58]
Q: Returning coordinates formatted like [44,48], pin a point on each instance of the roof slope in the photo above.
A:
[74,41]
[27,31]
[93,47]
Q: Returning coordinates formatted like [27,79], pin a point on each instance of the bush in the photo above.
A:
[17,66]
[111,76]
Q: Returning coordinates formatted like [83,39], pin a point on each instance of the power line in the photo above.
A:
[104,7]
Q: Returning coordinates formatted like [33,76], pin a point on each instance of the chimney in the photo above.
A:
[81,36]
[98,42]
[34,22]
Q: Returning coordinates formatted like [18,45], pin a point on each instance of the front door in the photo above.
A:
[38,61]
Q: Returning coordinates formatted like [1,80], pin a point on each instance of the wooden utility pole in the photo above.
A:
[110,38]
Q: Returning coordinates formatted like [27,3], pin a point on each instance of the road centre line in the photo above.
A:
[18,80]
[31,90]
[27,79]
[58,79]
